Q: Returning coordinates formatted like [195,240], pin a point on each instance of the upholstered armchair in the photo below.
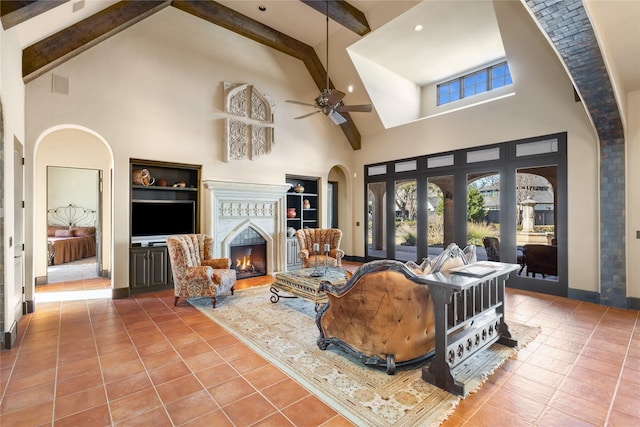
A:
[307,237]
[380,316]
[195,272]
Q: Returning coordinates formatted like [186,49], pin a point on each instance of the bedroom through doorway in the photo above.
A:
[73,207]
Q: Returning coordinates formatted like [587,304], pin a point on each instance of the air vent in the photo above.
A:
[78,5]
[59,84]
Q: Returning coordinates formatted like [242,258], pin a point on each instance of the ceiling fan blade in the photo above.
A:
[307,115]
[364,108]
[335,96]
[336,118]
[300,103]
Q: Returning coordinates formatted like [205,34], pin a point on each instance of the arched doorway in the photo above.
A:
[72,148]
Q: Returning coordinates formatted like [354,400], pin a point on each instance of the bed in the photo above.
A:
[71,234]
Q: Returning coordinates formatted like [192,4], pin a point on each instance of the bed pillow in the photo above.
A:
[65,232]
[84,231]
[51,230]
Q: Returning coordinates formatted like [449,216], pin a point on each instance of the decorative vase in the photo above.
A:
[291,232]
[291,212]
[306,204]
[298,188]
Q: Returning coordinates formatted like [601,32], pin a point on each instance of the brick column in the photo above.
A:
[569,29]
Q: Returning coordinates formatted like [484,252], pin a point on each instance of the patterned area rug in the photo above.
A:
[285,334]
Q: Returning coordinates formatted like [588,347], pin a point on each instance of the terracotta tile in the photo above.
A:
[71,370]
[134,404]
[216,375]
[601,366]
[114,347]
[489,415]
[223,341]
[627,405]
[147,338]
[97,416]
[124,370]
[587,391]
[191,407]
[32,416]
[276,420]
[185,339]
[193,349]
[580,408]
[527,409]
[111,360]
[231,391]
[27,398]
[309,411]
[216,418]
[554,418]
[234,351]
[248,363]
[24,382]
[593,377]
[544,376]
[169,372]
[203,361]
[620,419]
[264,376]
[159,346]
[78,383]
[339,421]
[157,360]
[178,388]
[249,410]
[532,389]
[127,386]
[80,401]
[156,417]
[285,393]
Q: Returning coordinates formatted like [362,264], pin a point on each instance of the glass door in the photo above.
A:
[440,213]
[376,220]
[483,214]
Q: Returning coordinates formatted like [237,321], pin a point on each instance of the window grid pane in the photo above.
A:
[472,84]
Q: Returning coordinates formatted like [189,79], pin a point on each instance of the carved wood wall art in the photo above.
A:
[250,121]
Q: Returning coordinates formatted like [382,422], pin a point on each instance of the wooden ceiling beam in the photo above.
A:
[14,12]
[225,17]
[48,53]
[343,13]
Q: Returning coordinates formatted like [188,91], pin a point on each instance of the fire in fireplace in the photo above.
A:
[248,252]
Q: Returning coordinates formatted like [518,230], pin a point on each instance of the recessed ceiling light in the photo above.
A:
[350,88]
[262,8]
[418,27]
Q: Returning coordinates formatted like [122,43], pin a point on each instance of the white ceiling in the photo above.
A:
[393,43]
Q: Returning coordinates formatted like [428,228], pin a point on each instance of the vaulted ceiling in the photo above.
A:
[53,31]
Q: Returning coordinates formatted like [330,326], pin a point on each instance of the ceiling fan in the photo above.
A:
[329,102]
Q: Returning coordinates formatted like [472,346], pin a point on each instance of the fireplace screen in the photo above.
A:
[249,254]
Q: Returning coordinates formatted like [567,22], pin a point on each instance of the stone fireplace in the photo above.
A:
[248,253]
[245,214]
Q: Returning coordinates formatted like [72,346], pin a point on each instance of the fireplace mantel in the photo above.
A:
[235,206]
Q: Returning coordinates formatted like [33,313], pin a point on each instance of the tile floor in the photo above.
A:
[91,361]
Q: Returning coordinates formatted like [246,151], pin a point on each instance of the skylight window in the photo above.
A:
[477,82]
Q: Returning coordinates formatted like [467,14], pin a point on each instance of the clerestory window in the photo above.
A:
[487,79]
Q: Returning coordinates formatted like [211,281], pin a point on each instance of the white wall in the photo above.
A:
[154,91]
[71,185]
[543,103]
[12,98]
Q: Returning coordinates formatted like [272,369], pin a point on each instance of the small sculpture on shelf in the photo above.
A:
[298,188]
[291,213]
[306,204]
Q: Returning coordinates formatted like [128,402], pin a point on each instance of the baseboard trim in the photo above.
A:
[119,293]
[587,296]
[633,303]
[10,336]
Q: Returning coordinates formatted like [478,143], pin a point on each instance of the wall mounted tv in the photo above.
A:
[151,218]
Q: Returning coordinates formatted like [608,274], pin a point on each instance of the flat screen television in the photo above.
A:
[160,218]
